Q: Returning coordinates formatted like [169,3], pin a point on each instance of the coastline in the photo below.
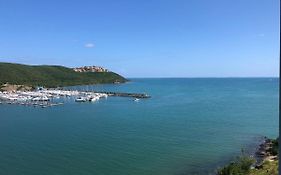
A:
[263,152]
[264,159]
[211,168]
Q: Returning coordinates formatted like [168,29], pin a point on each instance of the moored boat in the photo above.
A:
[80,99]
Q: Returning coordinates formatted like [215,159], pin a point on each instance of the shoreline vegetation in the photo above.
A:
[53,76]
[264,162]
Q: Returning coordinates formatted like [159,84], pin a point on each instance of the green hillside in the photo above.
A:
[53,76]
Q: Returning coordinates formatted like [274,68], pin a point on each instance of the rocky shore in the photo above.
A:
[263,162]
[267,151]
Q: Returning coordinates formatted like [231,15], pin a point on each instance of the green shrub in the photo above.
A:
[274,150]
[240,166]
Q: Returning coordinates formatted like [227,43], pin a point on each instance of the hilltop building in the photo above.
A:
[90,69]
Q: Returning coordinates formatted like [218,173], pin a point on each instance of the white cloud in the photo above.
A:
[89,45]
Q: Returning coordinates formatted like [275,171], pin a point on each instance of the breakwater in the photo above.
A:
[124,94]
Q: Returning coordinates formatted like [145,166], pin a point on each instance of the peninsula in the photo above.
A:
[54,76]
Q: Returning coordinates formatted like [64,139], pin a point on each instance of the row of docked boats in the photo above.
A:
[91,97]
[47,95]
[23,96]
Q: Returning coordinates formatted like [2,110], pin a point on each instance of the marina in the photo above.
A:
[49,97]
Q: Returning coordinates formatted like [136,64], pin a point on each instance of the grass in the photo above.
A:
[241,166]
[269,168]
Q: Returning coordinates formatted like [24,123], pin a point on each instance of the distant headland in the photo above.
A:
[56,76]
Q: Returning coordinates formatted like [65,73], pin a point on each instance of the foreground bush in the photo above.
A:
[240,166]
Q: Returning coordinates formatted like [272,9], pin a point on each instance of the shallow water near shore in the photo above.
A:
[189,126]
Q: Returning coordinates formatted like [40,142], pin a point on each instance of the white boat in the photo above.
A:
[136,99]
[95,98]
[80,99]
[103,95]
[43,98]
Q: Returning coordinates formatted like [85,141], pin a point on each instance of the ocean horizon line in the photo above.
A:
[276,77]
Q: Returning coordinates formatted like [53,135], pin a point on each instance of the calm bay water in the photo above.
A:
[189,126]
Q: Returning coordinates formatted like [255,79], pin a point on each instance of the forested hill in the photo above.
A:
[53,76]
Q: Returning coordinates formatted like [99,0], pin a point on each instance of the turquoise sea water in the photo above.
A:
[189,126]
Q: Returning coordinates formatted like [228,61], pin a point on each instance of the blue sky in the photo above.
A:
[145,38]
